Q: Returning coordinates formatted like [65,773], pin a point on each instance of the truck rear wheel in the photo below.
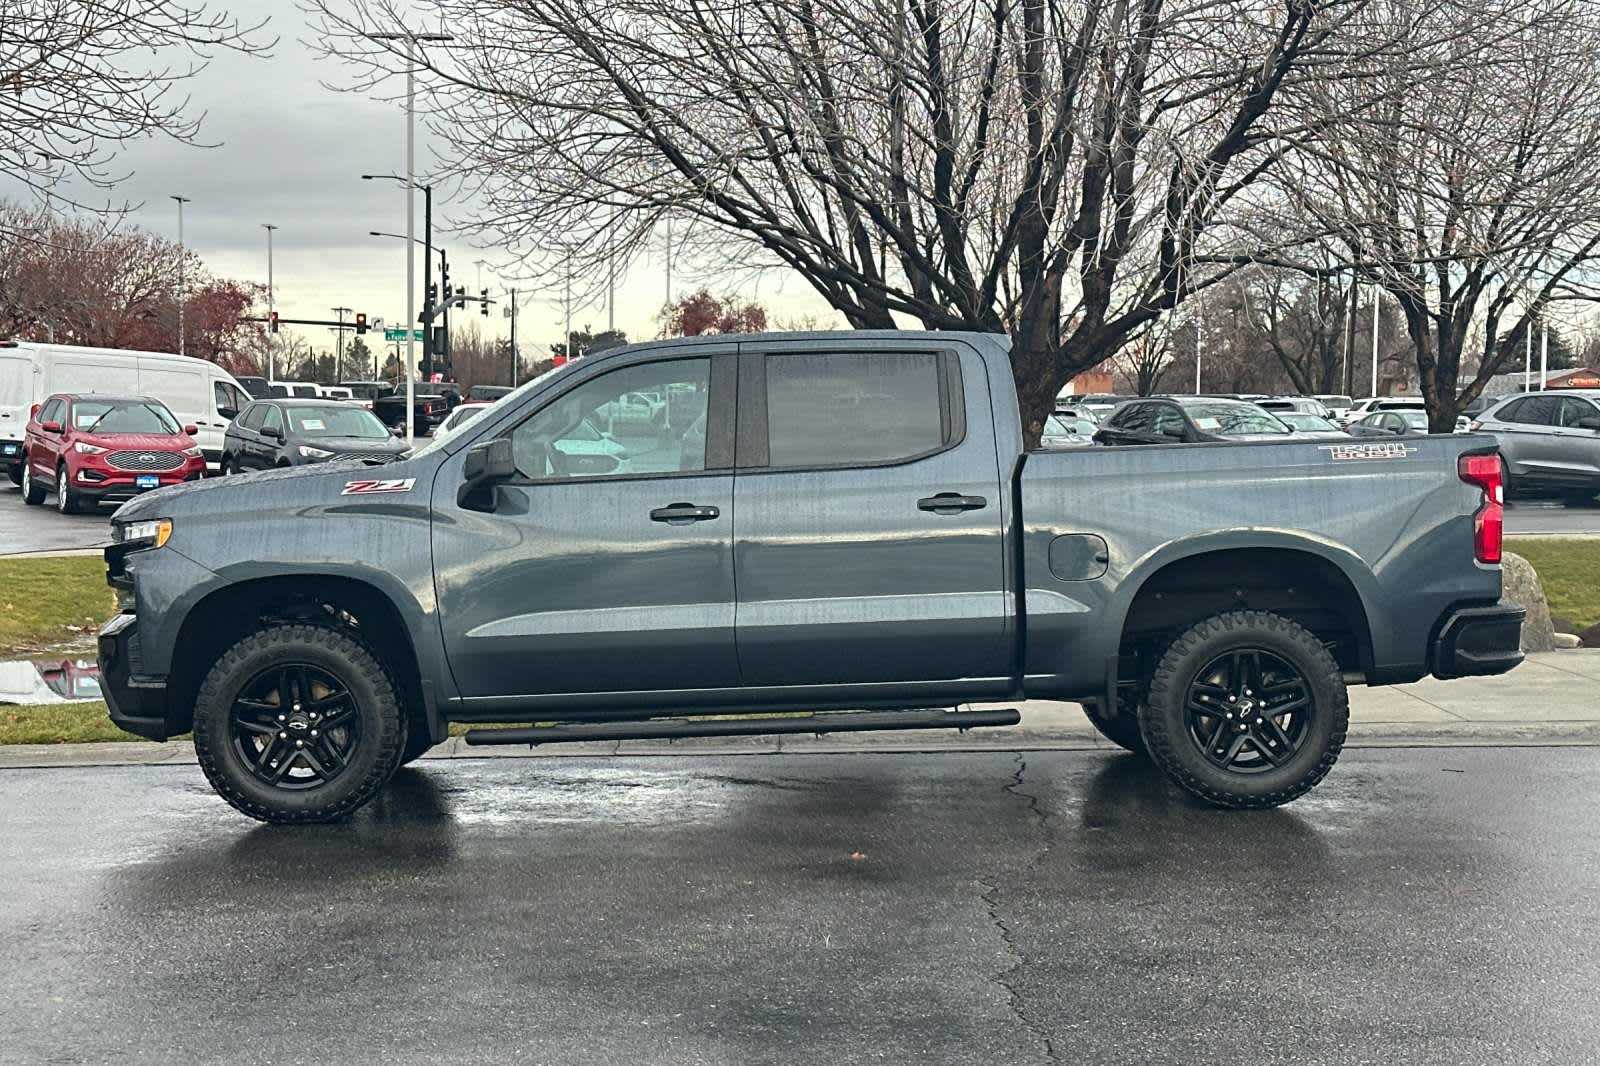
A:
[298,723]
[1246,709]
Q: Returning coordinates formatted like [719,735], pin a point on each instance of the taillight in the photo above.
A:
[1488,529]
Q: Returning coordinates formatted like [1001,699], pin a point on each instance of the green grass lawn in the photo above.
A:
[76,723]
[45,602]
[1569,570]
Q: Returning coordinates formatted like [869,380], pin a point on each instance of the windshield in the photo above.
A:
[98,416]
[1234,419]
[334,422]
[512,397]
[1068,426]
[1306,423]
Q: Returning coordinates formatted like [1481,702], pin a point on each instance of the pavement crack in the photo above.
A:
[990,895]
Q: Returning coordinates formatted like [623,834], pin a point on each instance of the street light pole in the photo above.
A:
[1375,309]
[272,339]
[411,40]
[427,265]
[181,255]
[1544,355]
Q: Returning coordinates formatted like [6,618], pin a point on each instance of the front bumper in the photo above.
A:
[138,702]
[119,486]
[1474,641]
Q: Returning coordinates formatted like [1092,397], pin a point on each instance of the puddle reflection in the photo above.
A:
[49,680]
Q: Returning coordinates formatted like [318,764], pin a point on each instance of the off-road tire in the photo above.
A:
[66,499]
[33,493]
[1162,719]
[1122,729]
[382,721]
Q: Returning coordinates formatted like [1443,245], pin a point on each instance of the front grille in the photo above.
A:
[144,461]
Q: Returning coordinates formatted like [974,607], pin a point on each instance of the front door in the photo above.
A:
[606,565]
[868,521]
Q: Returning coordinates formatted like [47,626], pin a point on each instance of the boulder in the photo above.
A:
[1520,585]
[1591,636]
[1562,625]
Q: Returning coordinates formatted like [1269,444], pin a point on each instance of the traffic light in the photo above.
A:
[461,296]
[433,294]
[483,295]
[272,321]
[361,323]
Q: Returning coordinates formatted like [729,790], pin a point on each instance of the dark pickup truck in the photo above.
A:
[431,404]
[841,525]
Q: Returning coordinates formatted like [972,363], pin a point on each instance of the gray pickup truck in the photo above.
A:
[840,525]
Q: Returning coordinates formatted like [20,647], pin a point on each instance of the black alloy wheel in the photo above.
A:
[1248,710]
[295,726]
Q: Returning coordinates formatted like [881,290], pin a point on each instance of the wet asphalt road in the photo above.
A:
[1434,905]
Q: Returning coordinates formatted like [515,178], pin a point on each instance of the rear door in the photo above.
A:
[1527,434]
[1577,443]
[867,516]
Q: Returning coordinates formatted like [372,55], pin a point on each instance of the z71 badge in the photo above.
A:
[363,488]
[1372,450]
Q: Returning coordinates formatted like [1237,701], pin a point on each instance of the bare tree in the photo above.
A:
[1052,169]
[1145,359]
[81,78]
[1468,194]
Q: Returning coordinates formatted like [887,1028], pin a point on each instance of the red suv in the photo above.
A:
[104,449]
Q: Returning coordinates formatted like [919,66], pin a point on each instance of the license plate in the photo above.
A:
[10,449]
[146,481]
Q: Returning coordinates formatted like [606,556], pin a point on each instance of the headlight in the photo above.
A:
[152,533]
[308,452]
[87,449]
[193,453]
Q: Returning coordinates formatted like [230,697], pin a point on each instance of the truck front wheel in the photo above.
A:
[1246,709]
[298,723]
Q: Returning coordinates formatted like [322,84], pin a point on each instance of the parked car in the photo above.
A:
[197,392]
[1189,420]
[1309,425]
[364,392]
[1306,404]
[1366,406]
[487,393]
[1076,410]
[299,390]
[1550,442]
[334,392]
[92,449]
[1068,431]
[1388,423]
[429,404]
[1336,403]
[278,433]
[460,417]
[257,387]
[316,629]
[1101,404]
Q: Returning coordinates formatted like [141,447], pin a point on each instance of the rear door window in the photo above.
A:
[1535,411]
[828,409]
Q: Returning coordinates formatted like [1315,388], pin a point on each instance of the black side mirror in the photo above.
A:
[272,431]
[486,463]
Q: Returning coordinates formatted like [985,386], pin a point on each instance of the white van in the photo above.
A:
[198,392]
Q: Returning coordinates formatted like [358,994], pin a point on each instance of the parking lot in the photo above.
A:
[1422,906]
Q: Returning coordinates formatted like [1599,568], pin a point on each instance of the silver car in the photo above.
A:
[1550,442]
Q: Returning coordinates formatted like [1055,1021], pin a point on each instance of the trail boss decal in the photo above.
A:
[363,488]
[1375,450]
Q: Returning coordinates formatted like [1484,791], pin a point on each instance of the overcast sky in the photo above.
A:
[291,153]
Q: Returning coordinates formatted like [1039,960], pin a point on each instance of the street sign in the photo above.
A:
[400,334]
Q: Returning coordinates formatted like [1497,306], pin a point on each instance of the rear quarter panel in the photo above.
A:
[1401,530]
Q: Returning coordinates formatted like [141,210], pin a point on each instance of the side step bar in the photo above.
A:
[827,722]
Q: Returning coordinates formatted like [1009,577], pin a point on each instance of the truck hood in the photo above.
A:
[317,484]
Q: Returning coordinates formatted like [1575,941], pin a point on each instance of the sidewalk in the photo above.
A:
[1552,699]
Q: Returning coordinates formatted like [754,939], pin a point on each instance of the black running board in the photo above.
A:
[669,729]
